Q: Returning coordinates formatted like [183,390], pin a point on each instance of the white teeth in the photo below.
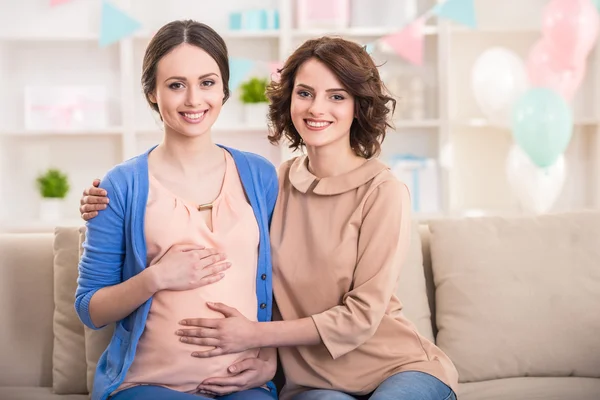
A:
[317,124]
[194,116]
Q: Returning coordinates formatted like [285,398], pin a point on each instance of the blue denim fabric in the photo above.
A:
[410,385]
[146,392]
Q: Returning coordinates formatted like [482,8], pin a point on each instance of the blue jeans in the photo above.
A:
[146,392]
[409,385]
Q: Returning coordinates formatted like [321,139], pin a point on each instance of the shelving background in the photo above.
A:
[59,46]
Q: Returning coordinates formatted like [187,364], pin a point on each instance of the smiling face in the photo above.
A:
[322,110]
[189,90]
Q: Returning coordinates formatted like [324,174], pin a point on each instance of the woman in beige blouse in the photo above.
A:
[339,234]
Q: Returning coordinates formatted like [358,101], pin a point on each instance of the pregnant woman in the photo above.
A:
[187,224]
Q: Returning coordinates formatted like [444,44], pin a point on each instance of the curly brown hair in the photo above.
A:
[357,72]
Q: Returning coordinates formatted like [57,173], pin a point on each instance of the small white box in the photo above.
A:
[382,13]
[421,176]
[323,14]
[65,107]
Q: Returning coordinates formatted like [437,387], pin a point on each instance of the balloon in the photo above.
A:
[537,189]
[571,27]
[498,78]
[542,125]
[545,71]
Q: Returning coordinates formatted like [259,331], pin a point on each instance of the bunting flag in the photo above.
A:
[239,68]
[115,24]
[407,43]
[461,11]
[54,3]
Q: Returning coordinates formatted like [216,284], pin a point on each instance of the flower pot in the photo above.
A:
[51,209]
[255,114]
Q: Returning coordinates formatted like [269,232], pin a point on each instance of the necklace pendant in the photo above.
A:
[203,207]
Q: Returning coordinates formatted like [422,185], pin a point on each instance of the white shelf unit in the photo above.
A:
[59,46]
[359,32]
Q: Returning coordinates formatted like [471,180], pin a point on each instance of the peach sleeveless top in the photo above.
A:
[161,359]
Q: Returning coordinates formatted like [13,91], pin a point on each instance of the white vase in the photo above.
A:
[255,114]
[51,209]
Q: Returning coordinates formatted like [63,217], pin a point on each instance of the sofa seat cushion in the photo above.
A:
[68,360]
[412,289]
[76,347]
[96,341]
[26,309]
[532,389]
[36,393]
[518,297]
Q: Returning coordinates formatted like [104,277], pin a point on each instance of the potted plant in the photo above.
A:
[53,186]
[255,101]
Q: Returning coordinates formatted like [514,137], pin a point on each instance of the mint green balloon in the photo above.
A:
[542,125]
[597,4]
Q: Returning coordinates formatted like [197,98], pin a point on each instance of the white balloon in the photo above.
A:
[537,189]
[498,78]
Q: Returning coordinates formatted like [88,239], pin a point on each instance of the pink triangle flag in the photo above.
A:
[408,43]
[58,2]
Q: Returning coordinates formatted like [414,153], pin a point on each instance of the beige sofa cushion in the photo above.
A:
[76,347]
[36,393]
[26,309]
[566,388]
[96,341]
[412,291]
[519,297]
[68,359]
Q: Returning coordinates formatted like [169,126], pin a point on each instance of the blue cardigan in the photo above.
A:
[115,250]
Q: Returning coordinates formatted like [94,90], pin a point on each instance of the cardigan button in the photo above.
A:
[263,277]
[263,306]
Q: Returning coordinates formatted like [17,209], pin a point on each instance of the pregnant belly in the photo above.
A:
[162,359]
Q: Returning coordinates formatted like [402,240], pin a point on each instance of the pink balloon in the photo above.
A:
[571,27]
[544,70]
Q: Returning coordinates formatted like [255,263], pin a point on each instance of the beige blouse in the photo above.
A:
[337,245]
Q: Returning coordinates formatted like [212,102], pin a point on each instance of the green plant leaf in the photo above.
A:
[253,91]
[53,184]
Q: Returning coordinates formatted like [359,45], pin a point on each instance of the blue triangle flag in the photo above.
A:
[461,11]
[115,25]
[238,69]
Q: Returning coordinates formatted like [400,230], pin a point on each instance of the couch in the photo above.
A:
[515,302]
